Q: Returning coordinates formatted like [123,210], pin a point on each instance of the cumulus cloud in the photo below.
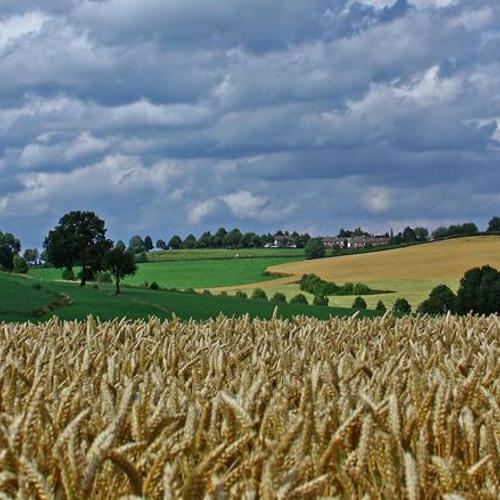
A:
[377,200]
[170,116]
[51,149]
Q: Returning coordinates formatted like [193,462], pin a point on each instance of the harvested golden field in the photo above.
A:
[442,260]
[410,272]
[234,408]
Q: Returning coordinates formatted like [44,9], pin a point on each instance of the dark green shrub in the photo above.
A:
[68,275]
[37,286]
[315,248]
[300,298]
[259,294]
[359,304]
[361,289]
[190,290]
[104,277]
[380,306]
[20,265]
[440,301]
[223,294]
[320,300]
[401,306]
[207,292]
[279,297]
[316,286]
[241,295]
[154,286]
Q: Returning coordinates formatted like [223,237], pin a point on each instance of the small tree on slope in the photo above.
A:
[120,263]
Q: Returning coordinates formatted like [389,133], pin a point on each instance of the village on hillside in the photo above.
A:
[336,242]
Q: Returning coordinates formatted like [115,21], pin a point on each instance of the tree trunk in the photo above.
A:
[117,281]
[83,278]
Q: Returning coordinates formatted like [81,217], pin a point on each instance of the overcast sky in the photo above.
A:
[176,116]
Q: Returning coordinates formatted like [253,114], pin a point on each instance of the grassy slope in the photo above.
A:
[411,272]
[134,303]
[192,274]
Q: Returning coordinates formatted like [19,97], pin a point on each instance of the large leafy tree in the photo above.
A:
[120,263]
[234,238]
[494,225]
[422,233]
[136,244]
[148,244]
[190,241]
[440,301]
[401,306]
[315,248]
[175,242]
[31,255]
[161,245]
[220,238]
[409,235]
[9,246]
[205,240]
[79,238]
[120,244]
[479,291]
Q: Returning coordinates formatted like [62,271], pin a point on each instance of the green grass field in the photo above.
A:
[225,253]
[192,273]
[19,298]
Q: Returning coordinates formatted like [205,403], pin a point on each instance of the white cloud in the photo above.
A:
[199,211]
[16,27]
[377,200]
[474,19]
[46,152]
[114,178]
[244,203]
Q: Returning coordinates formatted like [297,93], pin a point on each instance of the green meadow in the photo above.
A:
[20,296]
[192,273]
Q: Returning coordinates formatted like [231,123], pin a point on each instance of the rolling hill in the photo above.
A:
[411,272]
[21,296]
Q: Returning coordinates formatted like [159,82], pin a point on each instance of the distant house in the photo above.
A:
[332,242]
[280,242]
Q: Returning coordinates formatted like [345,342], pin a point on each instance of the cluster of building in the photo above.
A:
[334,242]
[280,242]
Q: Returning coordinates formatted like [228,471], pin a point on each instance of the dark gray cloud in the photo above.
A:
[174,116]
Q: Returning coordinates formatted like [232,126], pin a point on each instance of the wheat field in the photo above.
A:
[240,408]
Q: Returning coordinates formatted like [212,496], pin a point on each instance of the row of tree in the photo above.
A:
[416,234]
[222,238]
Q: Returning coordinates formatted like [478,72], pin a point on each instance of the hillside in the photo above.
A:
[411,272]
[445,260]
[192,273]
[21,296]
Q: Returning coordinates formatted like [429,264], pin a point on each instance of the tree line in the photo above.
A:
[222,238]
